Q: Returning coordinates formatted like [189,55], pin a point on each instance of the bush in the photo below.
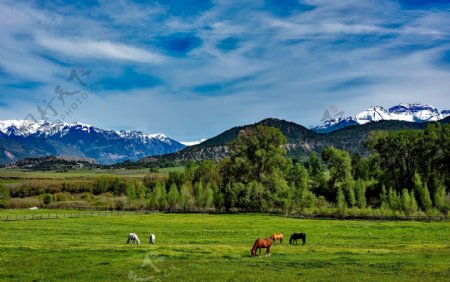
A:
[69,205]
[63,196]
[137,204]
[120,203]
[322,202]
[105,184]
[4,197]
[24,203]
[87,197]
[47,199]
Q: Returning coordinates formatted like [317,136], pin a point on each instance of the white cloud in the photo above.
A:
[91,49]
[324,28]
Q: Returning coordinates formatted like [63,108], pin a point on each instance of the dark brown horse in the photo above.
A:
[297,236]
[262,243]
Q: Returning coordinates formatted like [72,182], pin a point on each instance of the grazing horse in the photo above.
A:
[262,243]
[133,238]
[152,239]
[278,236]
[297,236]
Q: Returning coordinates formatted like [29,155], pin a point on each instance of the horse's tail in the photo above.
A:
[304,238]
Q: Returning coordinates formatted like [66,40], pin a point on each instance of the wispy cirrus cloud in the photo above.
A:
[92,49]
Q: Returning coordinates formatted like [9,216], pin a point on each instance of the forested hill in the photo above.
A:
[300,140]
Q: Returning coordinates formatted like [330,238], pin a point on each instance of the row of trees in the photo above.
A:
[258,176]
[408,171]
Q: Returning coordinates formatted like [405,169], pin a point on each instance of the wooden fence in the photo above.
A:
[89,212]
[64,214]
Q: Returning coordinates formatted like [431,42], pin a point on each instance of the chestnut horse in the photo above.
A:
[262,243]
[278,236]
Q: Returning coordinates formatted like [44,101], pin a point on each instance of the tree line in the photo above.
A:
[407,173]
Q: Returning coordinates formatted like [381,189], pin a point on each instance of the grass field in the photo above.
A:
[23,174]
[196,247]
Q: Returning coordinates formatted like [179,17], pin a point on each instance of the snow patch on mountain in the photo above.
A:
[44,128]
[401,112]
[40,128]
[192,143]
[9,155]
[144,138]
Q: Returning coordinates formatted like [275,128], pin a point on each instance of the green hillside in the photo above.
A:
[301,141]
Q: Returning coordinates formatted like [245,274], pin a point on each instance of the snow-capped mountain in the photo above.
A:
[401,112]
[25,138]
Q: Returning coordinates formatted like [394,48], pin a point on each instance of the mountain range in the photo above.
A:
[21,139]
[300,140]
[401,112]
[25,138]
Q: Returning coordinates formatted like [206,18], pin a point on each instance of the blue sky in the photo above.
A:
[192,69]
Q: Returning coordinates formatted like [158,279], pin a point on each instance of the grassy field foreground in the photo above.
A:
[196,247]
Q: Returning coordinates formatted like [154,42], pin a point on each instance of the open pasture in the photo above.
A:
[16,175]
[196,247]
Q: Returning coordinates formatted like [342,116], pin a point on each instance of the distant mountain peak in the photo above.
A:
[132,134]
[46,128]
[26,138]
[411,112]
[41,127]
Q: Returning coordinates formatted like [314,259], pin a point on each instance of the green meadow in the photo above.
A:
[16,175]
[196,247]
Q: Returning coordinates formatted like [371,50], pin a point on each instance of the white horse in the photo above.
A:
[152,239]
[133,238]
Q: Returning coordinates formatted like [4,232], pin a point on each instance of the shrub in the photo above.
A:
[120,203]
[322,202]
[69,205]
[23,203]
[87,197]
[4,197]
[63,196]
[105,184]
[47,199]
